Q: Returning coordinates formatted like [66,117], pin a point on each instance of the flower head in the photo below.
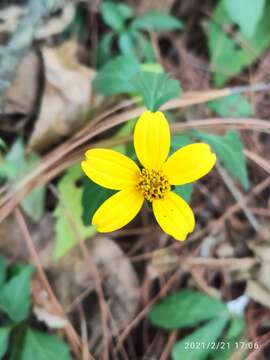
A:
[152,182]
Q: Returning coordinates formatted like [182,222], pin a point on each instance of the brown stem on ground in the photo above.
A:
[72,336]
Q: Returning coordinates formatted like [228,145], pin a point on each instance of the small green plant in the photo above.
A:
[210,319]
[129,31]
[19,340]
[156,88]
[238,34]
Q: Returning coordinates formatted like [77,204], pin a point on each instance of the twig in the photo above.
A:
[93,271]
[227,263]
[238,197]
[102,303]
[216,224]
[72,336]
[85,352]
[258,160]
[202,285]
[166,352]
[143,312]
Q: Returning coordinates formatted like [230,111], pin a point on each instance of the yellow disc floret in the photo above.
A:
[153,185]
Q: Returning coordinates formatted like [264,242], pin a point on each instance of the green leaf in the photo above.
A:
[227,352]
[16,343]
[14,167]
[33,204]
[68,214]
[3,271]
[231,106]
[114,15]
[229,150]
[3,145]
[92,197]
[180,140]
[41,346]
[185,191]
[236,327]
[4,339]
[227,57]
[135,44]
[144,47]
[104,50]
[246,13]
[206,334]
[157,21]
[114,77]
[15,295]
[186,308]
[126,44]
[13,164]
[152,67]
[155,88]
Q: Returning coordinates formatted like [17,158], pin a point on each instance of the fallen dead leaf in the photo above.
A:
[119,280]
[258,293]
[13,246]
[72,276]
[22,94]
[51,320]
[258,286]
[66,99]
[64,11]
[162,261]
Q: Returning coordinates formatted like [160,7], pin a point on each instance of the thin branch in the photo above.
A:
[72,336]
[238,196]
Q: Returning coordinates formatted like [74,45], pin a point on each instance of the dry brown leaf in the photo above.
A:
[72,276]
[12,244]
[66,99]
[258,293]
[22,94]
[162,261]
[120,282]
[53,321]
[11,14]
[258,287]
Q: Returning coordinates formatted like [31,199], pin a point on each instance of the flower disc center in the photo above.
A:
[153,185]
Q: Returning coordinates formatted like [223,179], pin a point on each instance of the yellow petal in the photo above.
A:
[189,163]
[152,139]
[110,169]
[118,210]
[174,216]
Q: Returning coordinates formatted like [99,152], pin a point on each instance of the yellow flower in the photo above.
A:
[153,182]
